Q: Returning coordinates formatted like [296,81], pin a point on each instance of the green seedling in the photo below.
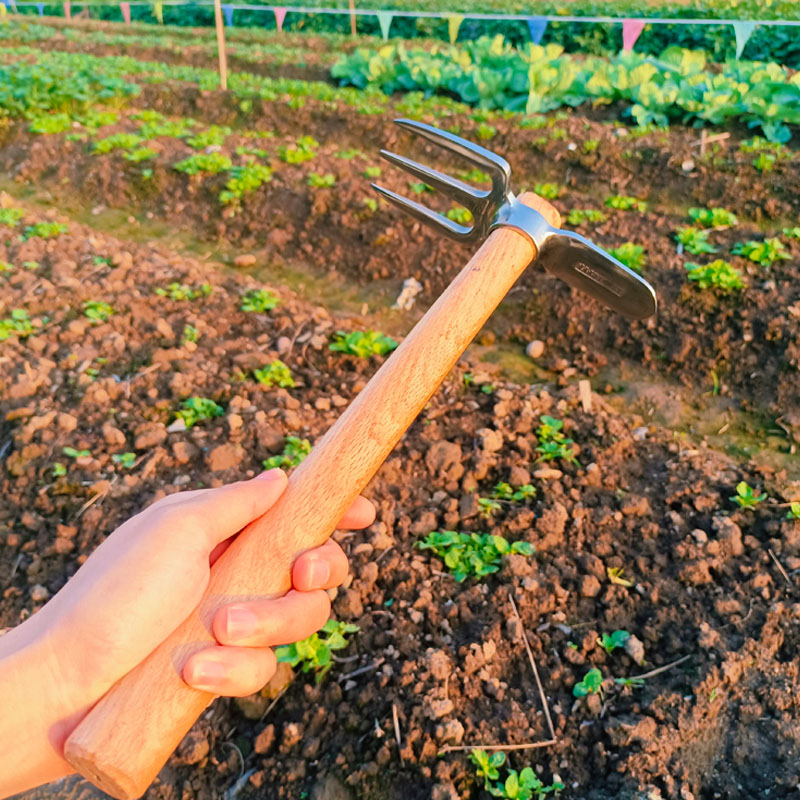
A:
[210,163]
[124,460]
[139,154]
[550,191]
[171,128]
[190,334]
[488,764]
[371,203]
[694,240]
[472,554]
[459,214]
[259,301]
[96,118]
[592,683]
[504,491]
[59,470]
[6,267]
[746,497]
[765,162]
[577,216]
[362,344]
[294,451]
[713,217]
[180,291]
[97,310]
[118,141]
[625,203]
[485,131]
[718,274]
[32,265]
[634,683]
[794,510]
[314,653]
[792,233]
[524,785]
[590,145]
[475,176]
[631,255]
[372,172]
[764,253]
[11,216]
[51,123]
[615,576]
[73,453]
[321,181]
[418,187]
[304,150]
[488,506]
[18,324]
[275,374]
[610,642]
[257,152]
[198,409]
[552,442]
[44,230]
[244,180]
[350,154]
[213,136]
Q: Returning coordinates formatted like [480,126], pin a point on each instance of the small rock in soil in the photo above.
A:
[265,740]
[244,260]
[193,749]
[438,663]
[445,791]
[225,456]
[590,586]
[292,735]
[39,593]
[635,649]
[113,437]
[451,731]
[535,349]
[150,435]
[490,441]
[441,456]
[436,709]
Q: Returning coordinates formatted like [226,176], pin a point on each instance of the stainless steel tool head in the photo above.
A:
[565,254]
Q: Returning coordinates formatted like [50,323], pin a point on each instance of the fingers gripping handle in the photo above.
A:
[130,733]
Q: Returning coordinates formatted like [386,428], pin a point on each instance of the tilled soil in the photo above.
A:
[448,658]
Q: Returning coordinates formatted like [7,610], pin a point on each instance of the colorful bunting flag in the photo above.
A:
[631,30]
[40,9]
[280,16]
[453,24]
[537,27]
[158,12]
[385,21]
[126,12]
[743,30]
[67,9]
[227,10]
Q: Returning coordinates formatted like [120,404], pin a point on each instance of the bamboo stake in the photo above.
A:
[223,59]
[352,17]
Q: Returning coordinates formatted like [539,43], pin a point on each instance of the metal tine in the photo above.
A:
[426,215]
[458,190]
[497,166]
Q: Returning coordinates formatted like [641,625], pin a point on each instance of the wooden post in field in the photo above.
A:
[223,59]
[352,17]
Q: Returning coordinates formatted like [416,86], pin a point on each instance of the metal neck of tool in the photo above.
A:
[524,219]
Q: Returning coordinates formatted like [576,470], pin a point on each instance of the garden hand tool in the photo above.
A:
[130,733]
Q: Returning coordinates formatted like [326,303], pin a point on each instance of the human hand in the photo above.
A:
[149,575]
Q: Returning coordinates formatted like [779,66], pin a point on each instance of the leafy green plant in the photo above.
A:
[610,642]
[303,150]
[592,683]
[485,131]
[577,216]
[523,785]
[372,172]
[746,496]
[97,310]
[73,453]
[713,217]
[488,506]
[362,344]
[718,274]
[694,240]
[550,191]
[590,145]
[190,334]
[244,180]
[180,291]
[210,163]
[314,653]
[615,576]
[44,230]
[198,409]
[488,764]
[275,374]
[59,470]
[259,301]
[294,451]
[172,128]
[472,554]
[765,162]
[11,216]
[50,123]
[552,442]
[318,181]
[124,460]
[475,176]
[504,491]
[792,233]
[631,682]
[350,154]
[18,324]
[139,154]
[631,255]
[626,203]
[764,253]
[211,137]
[371,203]
[459,214]
[118,141]
[794,510]
[96,118]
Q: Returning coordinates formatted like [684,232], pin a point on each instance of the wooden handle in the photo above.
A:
[130,733]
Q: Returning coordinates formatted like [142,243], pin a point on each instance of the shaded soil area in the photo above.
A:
[693,575]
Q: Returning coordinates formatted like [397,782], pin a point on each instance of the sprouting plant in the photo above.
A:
[275,374]
[792,233]
[485,131]
[59,470]
[362,344]
[718,274]
[190,334]
[610,642]
[73,453]
[634,683]
[592,683]
[590,145]
[321,181]
[96,118]
[694,240]
[197,409]
[504,491]
[211,163]
[125,460]
[552,442]
[550,191]
[245,150]
[524,785]
[372,172]
[794,510]
[244,179]
[213,136]
[746,497]
[180,291]
[44,230]
[172,128]
[713,217]
[294,451]
[259,301]
[418,187]
[97,310]
[764,253]
[765,162]
[625,203]
[472,554]
[371,203]
[615,576]
[488,506]
[303,150]
[488,764]
[577,216]
[18,324]
[118,141]
[50,123]
[11,216]
[139,154]
[459,214]
[631,255]
[350,154]
[314,653]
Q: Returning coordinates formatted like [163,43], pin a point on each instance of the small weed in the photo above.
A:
[190,334]
[44,230]
[765,162]
[210,163]
[257,152]
[634,683]
[213,136]
[592,683]
[472,554]
[459,214]
[590,145]
[139,154]
[59,470]
[314,653]
[611,642]
[550,191]
[631,255]
[51,123]
[198,409]
[371,203]
[792,233]
[523,785]
[303,150]
[418,187]
[746,497]
[244,179]
[794,510]
[625,203]
[348,155]
[694,240]
[118,141]
[552,442]
[362,344]
[321,181]
[372,172]
[504,491]
[180,291]
[294,451]
[18,324]
[97,310]
[475,176]
[485,131]
[718,274]
[172,128]
[259,301]
[124,460]
[11,216]
[577,216]
[764,253]
[71,452]
[488,506]
[275,374]
[713,217]
[615,576]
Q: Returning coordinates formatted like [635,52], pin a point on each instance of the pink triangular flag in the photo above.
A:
[280,15]
[67,10]
[126,12]
[631,29]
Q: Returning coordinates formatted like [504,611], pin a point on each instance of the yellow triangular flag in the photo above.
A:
[158,11]
[453,24]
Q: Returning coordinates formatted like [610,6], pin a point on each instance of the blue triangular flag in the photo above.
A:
[385,21]
[227,10]
[40,9]
[537,27]
[743,28]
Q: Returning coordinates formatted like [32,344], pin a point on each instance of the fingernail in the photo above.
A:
[270,475]
[240,622]
[320,572]
[208,675]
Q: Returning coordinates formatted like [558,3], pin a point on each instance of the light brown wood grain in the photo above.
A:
[130,733]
